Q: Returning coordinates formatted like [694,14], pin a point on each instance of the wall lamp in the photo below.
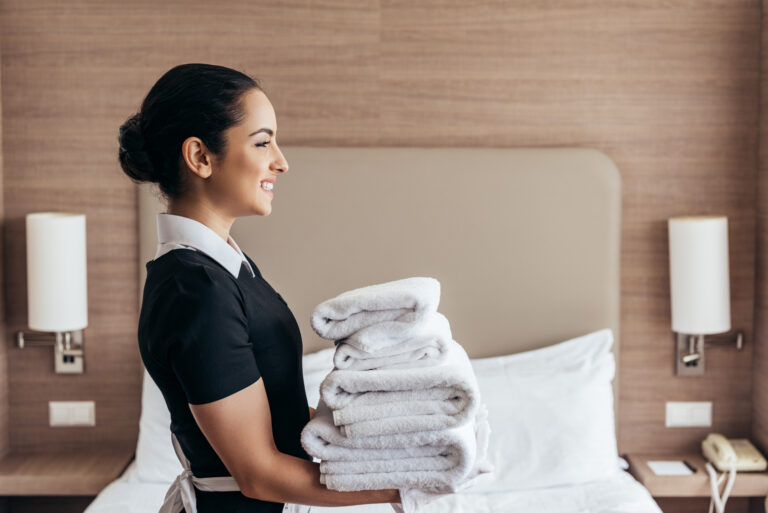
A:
[700,289]
[57,292]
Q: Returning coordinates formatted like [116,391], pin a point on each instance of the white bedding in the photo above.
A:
[554,450]
[620,494]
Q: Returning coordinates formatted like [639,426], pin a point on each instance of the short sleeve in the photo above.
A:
[210,353]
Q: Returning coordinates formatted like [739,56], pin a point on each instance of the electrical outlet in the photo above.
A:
[683,348]
[66,364]
[71,413]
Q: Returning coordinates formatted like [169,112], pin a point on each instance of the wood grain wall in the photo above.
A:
[3,346]
[760,361]
[668,89]
[4,418]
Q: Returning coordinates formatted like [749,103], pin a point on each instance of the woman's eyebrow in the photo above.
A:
[267,130]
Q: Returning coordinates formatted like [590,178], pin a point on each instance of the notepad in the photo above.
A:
[670,468]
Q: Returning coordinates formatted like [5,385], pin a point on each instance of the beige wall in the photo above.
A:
[667,89]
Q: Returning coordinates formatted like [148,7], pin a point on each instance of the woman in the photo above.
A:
[219,341]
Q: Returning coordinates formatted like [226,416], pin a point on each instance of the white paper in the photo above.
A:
[669,468]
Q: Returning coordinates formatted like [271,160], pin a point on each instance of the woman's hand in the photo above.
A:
[311,413]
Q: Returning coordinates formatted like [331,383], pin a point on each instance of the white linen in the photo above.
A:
[554,406]
[619,493]
[316,367]
[442,459]
[155,460]
[615,492]
[410,299]
[384,401]
[425,342]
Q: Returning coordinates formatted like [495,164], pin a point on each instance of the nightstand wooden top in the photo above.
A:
[84,472]
[747,484]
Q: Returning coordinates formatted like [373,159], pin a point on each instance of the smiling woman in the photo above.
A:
[221,344]
[198,118]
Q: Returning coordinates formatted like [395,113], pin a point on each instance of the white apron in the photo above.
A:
[181,494]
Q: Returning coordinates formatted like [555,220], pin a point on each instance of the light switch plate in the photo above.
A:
[689,414]
[72,413]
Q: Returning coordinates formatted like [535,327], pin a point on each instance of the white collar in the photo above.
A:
[173,229]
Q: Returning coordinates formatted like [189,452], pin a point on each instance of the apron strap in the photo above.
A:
[181,493]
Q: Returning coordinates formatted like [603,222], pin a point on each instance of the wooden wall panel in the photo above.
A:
[760,361]
[4,424]
[667,89]
[4,413]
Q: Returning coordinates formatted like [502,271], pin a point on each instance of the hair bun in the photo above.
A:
[133,156]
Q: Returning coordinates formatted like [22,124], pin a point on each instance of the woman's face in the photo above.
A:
[251,158]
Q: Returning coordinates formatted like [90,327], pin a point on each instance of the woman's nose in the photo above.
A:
[280,165]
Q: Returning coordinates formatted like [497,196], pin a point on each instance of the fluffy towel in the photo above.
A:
[427,343]
[383,335]
[439,460]
[386,401]
[353,310]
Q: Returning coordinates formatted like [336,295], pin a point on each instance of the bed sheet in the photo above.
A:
[620,494]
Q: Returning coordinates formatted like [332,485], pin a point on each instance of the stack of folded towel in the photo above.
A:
[401,409]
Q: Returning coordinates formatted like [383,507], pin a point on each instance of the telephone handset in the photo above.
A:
[739,452]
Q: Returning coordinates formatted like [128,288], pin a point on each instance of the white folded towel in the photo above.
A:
[355,309]
[385,401]
[426,342]
[382,335]
[443,459]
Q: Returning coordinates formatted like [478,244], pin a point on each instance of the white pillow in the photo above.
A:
[316,367]
[156,462]
[551,414]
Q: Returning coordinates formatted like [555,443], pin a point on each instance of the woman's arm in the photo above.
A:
[311,413]
[239,428]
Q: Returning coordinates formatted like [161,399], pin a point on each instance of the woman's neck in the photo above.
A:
[205,215]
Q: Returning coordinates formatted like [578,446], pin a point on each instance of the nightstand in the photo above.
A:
[44,478]
[747,484]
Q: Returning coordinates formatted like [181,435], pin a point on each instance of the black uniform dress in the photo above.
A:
[204,335]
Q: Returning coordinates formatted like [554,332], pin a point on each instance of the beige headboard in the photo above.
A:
[525,242]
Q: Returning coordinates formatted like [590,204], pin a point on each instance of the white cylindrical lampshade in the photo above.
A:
[698,274]
[57,292]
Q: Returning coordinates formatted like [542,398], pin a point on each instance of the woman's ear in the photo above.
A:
[197,157]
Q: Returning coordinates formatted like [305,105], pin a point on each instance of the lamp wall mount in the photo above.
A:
[689,350]
[68,346]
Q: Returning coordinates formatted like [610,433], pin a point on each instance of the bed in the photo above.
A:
[525,244]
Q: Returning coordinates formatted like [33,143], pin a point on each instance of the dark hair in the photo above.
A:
[201,100]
